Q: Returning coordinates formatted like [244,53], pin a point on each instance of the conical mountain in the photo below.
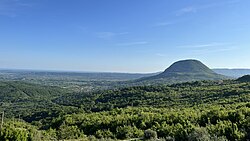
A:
[184,71]
[187,66]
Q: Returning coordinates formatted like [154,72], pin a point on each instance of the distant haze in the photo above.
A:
[233,72]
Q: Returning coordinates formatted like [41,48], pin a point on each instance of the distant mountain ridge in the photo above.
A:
[235,73]
[184,71]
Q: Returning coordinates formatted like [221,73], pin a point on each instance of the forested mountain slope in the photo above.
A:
[216,110]
[202,110]
[245,78]
[30,101]
[175,95]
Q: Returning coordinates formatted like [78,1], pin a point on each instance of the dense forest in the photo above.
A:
[201,110]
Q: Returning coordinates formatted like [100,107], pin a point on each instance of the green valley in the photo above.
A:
[187,101]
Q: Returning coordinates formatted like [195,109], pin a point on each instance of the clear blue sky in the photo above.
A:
[123,35]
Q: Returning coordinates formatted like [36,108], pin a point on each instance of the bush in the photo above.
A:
[150,134]
[169,139]
[128,132]
[199,134]
[104,134]
[70,132]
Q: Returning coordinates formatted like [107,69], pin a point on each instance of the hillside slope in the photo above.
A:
[30,101]
[245,78]
[221,109]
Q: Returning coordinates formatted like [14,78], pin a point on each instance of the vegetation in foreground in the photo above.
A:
[202,110]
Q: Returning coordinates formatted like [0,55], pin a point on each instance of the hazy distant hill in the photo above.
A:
[183,71]
[75,81]
[9,74]
[232,72]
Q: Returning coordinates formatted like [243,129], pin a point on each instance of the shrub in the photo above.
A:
[199,134]
[150,134]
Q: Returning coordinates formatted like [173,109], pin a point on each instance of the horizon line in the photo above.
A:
[81,71]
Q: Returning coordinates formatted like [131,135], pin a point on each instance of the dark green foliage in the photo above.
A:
[202,110]
[176,95]
[31,102]
[245,78]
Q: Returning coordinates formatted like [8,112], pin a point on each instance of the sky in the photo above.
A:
[123,35]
